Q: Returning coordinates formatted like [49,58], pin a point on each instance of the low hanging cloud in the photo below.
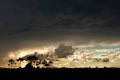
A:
[63,51]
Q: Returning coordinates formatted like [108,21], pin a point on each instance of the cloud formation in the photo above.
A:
[38,23]
[63,51]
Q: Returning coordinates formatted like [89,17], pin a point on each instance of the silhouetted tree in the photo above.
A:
[20,60]
[105,67]
[11,61]
[29,65]
[32,59]
[38,62]
[47,64]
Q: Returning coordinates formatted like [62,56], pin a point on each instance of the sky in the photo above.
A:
[43,23]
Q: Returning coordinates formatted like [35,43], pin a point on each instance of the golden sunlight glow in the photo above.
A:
[77,60]
[23,52]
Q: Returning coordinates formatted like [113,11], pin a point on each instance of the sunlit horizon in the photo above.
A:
[81,57]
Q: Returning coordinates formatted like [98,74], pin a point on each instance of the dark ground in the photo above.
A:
[60,74]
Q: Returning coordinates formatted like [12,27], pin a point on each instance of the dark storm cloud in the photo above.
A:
[61,6]
[30,23]
[63,51]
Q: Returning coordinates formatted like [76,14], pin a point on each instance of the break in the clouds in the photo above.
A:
[39,23]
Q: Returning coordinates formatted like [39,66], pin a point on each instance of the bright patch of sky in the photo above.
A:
[97,54]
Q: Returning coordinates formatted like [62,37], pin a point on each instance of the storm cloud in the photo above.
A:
[38,23]
[63,51]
